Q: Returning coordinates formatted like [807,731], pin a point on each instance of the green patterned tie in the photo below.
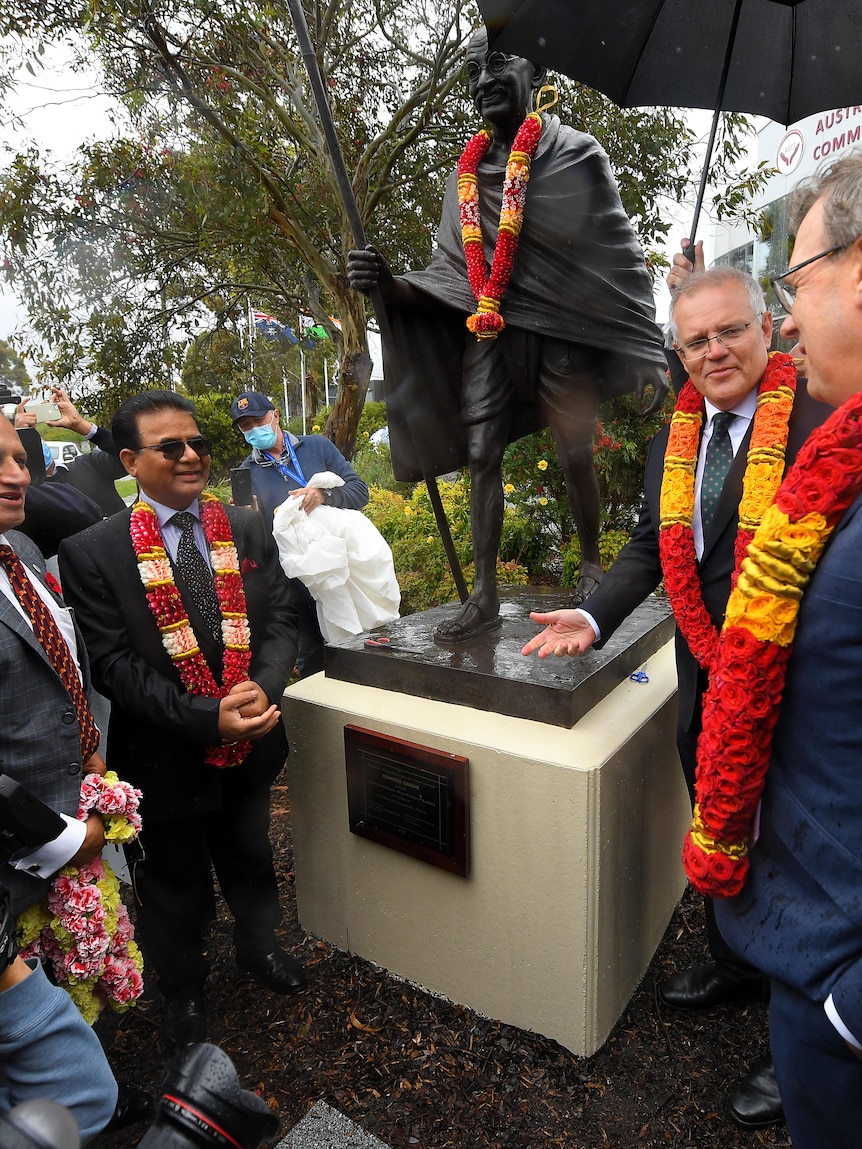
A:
[719,456]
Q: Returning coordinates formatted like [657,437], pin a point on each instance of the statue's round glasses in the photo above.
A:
[785,292]
[495,64]
[699,348]
[174,449]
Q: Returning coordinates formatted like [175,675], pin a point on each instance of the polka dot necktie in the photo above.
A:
[719,456]
[196,572]
[50,637]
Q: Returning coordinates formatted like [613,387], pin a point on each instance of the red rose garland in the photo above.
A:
[747,683]
[486,322]
[764,468]
[170,613]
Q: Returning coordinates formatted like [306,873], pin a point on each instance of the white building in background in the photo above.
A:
[796,151]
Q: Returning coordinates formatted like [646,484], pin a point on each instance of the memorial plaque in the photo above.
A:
[412,798]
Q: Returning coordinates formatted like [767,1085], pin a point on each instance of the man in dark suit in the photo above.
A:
[722,330]
[799,915]
[199,734]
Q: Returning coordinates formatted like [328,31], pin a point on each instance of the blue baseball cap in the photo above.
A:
[250,403]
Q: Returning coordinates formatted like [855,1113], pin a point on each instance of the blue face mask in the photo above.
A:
[262,437]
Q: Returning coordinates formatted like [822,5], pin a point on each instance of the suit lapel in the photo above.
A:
[11,618]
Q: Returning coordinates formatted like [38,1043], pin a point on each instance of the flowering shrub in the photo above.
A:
[409,526]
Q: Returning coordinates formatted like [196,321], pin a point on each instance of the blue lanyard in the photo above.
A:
[294,473]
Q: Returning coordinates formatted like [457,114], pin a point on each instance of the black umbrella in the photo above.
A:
[784,59]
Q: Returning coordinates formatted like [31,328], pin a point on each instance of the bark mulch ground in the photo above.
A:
[416,1070]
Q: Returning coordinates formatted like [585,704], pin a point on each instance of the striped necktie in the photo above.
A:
[55,646]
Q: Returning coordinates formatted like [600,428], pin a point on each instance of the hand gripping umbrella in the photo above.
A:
[785,59]
[358,232]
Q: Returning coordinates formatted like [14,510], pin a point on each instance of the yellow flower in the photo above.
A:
[408,510]
[315,429]
[365,435]
[430,539]
[543,464]
[508,488]
[543,502]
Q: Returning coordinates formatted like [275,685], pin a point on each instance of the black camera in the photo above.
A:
[202,1104]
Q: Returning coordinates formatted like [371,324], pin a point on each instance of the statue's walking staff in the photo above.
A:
[357,229]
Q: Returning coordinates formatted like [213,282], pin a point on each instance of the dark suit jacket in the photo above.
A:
[799,916]
[158,733]
[40,738]
[637,570]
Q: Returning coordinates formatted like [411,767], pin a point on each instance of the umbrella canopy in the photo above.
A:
[786,59]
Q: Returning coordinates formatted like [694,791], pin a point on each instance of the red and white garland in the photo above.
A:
[486,322]
[172,618]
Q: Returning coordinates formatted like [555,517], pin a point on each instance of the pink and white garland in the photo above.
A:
[82,930]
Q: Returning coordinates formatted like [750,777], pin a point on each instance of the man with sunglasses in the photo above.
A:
[578,318]
[722,332]
[195,721]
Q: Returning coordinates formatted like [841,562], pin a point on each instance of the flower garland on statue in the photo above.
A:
[170,613]
[763,473]
[742,703]
[82,929]
[486,322]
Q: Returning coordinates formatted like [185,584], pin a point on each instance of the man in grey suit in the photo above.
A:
[41,729]
[41,747]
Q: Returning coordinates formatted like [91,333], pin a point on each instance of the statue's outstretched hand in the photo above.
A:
[567,633]
[367,270]
[657,378]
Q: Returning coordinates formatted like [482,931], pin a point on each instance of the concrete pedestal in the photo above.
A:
[576,838]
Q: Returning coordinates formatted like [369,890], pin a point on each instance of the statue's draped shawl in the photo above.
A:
[579,275]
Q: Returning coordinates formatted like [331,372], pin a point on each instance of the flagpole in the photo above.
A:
[251,342]
[357,229]
[302,388]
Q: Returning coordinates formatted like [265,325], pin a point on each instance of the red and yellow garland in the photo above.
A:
[487,322]
[763,472]
[170,613]
[742,703]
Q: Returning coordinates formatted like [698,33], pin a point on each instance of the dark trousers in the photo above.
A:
[174,888]
[818,1075]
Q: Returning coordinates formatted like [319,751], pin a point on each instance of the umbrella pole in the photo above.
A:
[351,208]
[688,252]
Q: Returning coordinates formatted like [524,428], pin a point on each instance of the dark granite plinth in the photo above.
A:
[489,673]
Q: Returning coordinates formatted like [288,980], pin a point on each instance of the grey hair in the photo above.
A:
[713,278]
[839,184]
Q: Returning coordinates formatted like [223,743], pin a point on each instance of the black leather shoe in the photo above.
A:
[757,1102]
[278,971]
[707,985]
[133,1105]
[184,1022]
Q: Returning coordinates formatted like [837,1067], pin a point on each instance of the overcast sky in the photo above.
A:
[58,110]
